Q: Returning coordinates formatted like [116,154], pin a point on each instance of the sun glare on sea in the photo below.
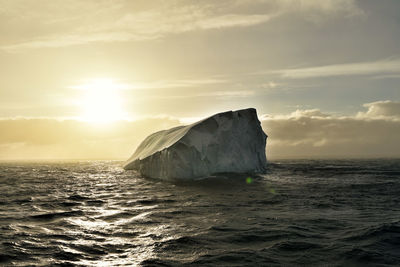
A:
[100,101]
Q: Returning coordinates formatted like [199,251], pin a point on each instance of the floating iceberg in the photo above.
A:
[228,142]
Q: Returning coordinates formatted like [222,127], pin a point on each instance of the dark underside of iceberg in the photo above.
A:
[228,142]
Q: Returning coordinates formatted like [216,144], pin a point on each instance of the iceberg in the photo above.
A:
[228,142]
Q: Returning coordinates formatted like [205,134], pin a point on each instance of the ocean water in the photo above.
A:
[300,213]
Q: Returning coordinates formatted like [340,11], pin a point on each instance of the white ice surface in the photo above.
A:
[226,142]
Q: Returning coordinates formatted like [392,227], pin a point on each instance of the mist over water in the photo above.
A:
[303,212]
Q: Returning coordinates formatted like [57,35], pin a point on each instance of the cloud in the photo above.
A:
[302,133]
[382,109]
[71,39]
[233,20]
[176,83]
[217,94]
[311,133]
[361,68]
[312,113]
[126,24]
[319,9]
[71,139]
[66,23]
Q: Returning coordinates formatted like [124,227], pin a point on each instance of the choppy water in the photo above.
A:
[318,213]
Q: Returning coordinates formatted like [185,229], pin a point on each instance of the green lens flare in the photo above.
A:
[249,180]
[272,191]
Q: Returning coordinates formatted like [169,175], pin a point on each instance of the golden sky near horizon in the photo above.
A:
[90,79]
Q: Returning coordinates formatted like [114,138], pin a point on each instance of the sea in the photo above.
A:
[299,213]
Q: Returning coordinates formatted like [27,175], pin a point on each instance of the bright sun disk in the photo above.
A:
[101,101]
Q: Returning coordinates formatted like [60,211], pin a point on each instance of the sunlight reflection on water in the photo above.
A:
[299,213]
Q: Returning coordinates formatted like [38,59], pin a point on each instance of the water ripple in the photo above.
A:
[301,213]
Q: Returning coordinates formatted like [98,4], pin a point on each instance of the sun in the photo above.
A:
[100,101]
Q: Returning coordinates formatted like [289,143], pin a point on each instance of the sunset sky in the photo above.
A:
[90,79]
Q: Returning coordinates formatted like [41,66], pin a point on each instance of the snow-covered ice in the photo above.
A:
[228,142]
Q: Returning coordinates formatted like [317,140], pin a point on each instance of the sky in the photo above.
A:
[91,79]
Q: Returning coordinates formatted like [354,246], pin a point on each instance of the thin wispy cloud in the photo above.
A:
[122,21]
[348,69]
[214,94]
[147,85]
[176,83]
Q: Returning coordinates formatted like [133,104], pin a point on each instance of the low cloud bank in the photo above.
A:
[373,132]
[311,133]
[70,139]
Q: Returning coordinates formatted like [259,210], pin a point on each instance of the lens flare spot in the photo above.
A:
[272,191]
[249,180]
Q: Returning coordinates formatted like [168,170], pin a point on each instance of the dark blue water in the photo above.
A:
[301,213]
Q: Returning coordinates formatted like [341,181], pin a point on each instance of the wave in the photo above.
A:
[300,213]
[56,215]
